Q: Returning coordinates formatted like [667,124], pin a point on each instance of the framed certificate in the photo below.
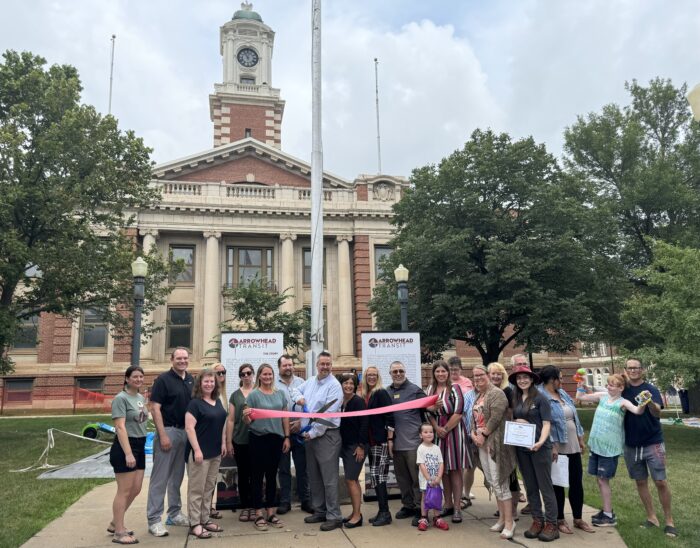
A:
[520,434]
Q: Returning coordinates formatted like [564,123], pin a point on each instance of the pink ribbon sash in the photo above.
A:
[420,403]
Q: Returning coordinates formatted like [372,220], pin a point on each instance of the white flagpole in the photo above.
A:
[111,75]
[376,102]
[317,342]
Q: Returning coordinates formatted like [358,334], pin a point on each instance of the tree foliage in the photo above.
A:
[667,311]
[70,182]
[501,247]
[255,307]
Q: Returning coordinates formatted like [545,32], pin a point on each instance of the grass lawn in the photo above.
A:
[683,466]
[27,504]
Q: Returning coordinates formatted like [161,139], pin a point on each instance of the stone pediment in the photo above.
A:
[246,161]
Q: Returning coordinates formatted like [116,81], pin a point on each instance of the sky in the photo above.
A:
[446,67]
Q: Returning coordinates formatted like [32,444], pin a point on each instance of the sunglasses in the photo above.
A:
[221,373]
[397,372]
[246,374]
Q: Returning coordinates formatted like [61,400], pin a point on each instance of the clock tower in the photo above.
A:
[245,104]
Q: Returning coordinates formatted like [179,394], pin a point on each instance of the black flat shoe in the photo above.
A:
[351,525]
[447,512]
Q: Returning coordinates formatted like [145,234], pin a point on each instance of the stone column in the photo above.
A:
[345,328]
[149,243]
[212,292]
[287,270]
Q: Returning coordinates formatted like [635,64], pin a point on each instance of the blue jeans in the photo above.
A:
[298,453]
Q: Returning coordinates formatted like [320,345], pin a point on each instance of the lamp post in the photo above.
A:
[139,270]
[401,277]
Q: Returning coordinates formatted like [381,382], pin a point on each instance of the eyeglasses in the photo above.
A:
[518,364]
[221,373]
[397,372]
[246,374]
[633,368]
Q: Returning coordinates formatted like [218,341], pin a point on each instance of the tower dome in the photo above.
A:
[246,12]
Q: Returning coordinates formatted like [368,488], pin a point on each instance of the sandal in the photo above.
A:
[111,530]
[212,527]
[670,531]
[466,503]
[275,521]
[649,525]
[244,515]
[260,523]
[203,534]
[564,527]
[120,538]
[215,514]
[584,526]
[457,517]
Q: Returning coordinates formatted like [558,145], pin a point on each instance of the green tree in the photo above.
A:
[667,311]
[254,306]
[70,183]
[501,247]
[643,162]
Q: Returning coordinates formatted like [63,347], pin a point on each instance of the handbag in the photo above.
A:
[433,498]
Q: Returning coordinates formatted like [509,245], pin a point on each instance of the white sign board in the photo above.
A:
[253,348]
[380,349]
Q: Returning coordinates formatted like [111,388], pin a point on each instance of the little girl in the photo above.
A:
[429,460]
[606,440]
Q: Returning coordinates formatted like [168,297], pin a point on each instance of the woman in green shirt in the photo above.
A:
[127,456]
[269,438]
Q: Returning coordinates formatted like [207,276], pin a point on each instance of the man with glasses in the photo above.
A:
[288,383]
[406,441]
[519,360]
[323,443]
[645,452]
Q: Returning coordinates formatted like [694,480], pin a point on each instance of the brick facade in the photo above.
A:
[236,172]
[362,289]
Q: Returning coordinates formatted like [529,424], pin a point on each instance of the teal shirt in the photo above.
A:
[277,401]
[134,412]
[607,433]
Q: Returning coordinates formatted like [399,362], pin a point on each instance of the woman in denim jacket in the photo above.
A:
[567,439]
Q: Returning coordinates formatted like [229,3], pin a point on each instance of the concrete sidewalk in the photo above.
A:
[84,525]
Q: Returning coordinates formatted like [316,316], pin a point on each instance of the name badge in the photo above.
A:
[397,396]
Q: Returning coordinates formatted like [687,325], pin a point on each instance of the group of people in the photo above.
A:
[196,425]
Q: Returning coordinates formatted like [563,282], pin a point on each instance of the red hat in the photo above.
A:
[523,369]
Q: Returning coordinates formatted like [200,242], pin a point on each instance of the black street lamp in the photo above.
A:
[401,276]
[139,269]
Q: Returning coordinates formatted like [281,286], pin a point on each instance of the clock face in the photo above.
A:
[247,57]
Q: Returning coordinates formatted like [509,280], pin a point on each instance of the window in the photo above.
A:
[248,132]
[381,252]
[179,327]
[244,264]
[92,384]
[93,329]
[307,334]
[18,390]
[186,255]
[27,333]
[248,80]
[307,267]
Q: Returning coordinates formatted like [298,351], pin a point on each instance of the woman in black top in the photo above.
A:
[206,443]
[381,437]
[353,432]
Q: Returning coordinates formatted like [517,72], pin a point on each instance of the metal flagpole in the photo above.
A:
[376,101]
[111,75]
[316,193]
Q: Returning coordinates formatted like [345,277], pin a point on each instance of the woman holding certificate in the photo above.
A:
[496,460]
[532,408]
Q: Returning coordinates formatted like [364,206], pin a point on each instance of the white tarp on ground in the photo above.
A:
[94,466]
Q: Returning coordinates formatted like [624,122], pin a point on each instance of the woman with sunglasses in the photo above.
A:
[237,439]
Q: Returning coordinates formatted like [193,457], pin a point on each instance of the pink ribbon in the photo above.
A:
[420,403]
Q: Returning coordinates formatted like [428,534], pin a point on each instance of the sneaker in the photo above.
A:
[158,530]
[549,533]
[423,524]
[181,520]
[441,524]
[596,517]
[605,521]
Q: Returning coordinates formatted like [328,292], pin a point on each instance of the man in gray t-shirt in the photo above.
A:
[406,441]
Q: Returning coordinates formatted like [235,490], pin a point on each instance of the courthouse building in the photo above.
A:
[236,211]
